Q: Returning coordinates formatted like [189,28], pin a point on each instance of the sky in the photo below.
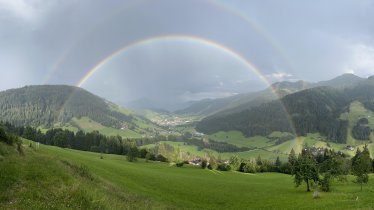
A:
[166,52]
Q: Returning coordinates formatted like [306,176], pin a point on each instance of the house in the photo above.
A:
[350,148]
[195,161]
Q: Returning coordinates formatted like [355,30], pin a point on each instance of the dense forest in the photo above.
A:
[308,111]
[312,110]
[49,104]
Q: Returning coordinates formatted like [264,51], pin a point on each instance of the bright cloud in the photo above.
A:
[362,61]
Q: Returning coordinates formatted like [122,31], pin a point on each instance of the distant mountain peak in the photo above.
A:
[344,80]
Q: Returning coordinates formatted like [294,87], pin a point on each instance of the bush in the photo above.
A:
[179,164]
[161,158]
[248,167]
[325,184]
[143,153]
[20,147]
[223,167]
[204,164]
[3,135]
[150,156]
[132,154]
[285,168]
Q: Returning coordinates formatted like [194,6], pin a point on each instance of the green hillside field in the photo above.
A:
[56,178]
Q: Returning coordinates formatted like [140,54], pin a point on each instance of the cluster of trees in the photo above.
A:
[235,163]
[47,105]
[318,167]
[11,139]
[8,138]
[361,130]
[308,111]
[92,141]
[255,166]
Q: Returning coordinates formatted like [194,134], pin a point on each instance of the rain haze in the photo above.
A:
[171,52]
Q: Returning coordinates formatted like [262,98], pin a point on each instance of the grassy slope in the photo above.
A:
[238,139]
[357,111]
[269,150]
[89,125]
[41,179]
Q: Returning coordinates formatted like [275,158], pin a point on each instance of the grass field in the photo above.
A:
[357,111]
[266,148]
[48,179]
[89,125]
[41,179]
[238,139]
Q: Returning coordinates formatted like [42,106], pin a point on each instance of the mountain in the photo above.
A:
[308,111]
[342,81]
[240,102]
[51,105]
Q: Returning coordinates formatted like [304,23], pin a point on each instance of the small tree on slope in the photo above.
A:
[361,165]
[305,169]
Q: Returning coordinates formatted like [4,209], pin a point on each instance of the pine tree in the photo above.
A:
[292,160]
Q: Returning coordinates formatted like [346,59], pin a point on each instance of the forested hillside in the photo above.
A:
[241,102]
[312,110]
[308,111]
[237,103]
[47,105]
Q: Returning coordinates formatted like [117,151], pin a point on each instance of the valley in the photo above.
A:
[155,160]
[202,104]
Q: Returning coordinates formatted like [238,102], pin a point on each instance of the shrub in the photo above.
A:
[179,164]
[161,158]
[132,154]
[20,147]
[150,156]
[249,167]
[204,164]
[325,183]
[223,167]
[143,153]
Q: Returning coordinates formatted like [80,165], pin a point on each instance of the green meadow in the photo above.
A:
[56,178]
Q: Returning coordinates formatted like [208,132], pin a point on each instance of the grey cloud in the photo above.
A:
[59,41]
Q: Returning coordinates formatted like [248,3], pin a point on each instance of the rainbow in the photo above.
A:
[181,38]
[220,5]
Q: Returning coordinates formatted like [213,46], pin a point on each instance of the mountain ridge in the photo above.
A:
[311,110]
[240,102]
[48,105]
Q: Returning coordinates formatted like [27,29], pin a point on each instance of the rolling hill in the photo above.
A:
[69,107]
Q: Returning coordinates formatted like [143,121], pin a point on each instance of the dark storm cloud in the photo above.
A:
[59,41]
